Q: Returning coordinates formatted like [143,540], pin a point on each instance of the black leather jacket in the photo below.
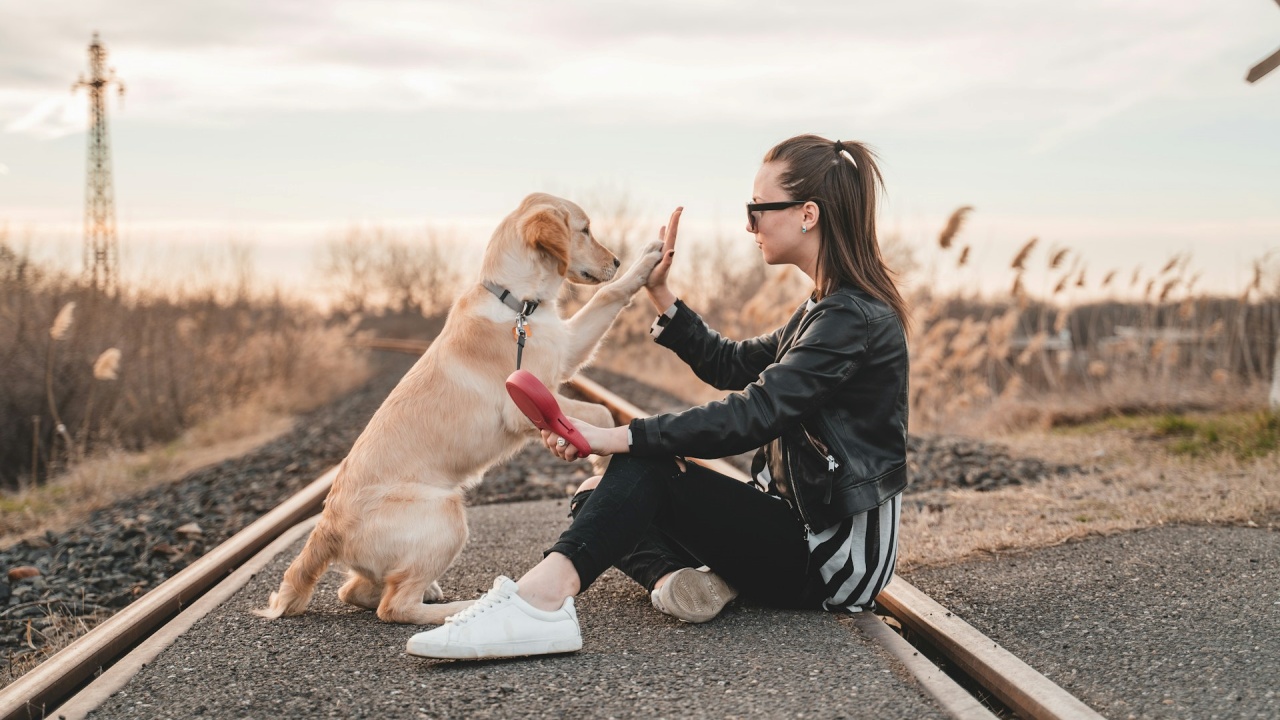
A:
[824,398]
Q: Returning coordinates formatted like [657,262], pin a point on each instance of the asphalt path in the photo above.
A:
[338,661]
[1172,622]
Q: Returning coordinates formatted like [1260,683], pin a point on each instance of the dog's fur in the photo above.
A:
[395,514]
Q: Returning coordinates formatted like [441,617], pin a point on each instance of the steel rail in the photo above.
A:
[34,694]
[1018,685]
[412,347]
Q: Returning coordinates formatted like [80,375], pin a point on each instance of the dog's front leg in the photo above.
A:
[588,326]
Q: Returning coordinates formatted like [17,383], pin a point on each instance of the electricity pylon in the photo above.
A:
[101,255]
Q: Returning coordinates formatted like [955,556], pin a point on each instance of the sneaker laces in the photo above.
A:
[489,600]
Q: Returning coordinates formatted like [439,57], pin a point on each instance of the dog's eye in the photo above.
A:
[586,230]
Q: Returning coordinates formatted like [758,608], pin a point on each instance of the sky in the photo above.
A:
[1124,130]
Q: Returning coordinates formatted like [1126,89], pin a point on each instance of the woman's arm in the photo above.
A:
[720,362]
[828,351]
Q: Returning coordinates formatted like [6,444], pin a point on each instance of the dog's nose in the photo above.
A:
[616,262]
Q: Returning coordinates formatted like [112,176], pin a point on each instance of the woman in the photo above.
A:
[824,398]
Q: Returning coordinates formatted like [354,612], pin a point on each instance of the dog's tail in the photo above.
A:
[301,577]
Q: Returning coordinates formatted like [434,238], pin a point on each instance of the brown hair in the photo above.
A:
[818,169]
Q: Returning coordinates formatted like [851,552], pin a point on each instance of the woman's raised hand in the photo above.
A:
[661,296]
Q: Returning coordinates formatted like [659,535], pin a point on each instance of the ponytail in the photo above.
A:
[842,178]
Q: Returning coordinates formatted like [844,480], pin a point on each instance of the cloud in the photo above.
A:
[52,117]
[989,64]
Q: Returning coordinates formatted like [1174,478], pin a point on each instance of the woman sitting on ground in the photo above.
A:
[824,398]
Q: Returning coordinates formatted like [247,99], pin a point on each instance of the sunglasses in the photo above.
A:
[754,210]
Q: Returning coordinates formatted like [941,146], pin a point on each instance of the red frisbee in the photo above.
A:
[539,405]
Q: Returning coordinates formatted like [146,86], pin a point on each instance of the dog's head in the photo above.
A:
[560,232]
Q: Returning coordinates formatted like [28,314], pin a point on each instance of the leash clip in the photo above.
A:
[522,329]
[519,333]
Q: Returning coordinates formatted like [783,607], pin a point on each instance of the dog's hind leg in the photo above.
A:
[442,532]
[300,579]
[434,593]
[402,602]
[361,592]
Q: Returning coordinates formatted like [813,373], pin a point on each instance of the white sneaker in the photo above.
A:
[693,595]
[501,624]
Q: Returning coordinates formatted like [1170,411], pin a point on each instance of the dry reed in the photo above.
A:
[1019,260]
[952,228]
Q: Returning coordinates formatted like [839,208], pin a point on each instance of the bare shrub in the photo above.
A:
[137,369]
[372,269]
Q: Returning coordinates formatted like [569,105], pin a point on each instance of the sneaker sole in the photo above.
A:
[696,597]
[497,650]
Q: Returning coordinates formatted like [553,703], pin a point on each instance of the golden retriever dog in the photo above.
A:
[395,515]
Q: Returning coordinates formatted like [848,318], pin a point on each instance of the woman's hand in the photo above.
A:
[659,294]
[603,441]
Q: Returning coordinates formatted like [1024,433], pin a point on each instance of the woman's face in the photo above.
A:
[778,232]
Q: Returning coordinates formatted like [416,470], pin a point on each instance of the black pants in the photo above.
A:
[648,518]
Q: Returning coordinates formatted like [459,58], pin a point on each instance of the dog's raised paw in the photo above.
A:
[644,264]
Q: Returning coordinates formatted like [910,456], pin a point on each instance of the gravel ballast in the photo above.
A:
[92,570]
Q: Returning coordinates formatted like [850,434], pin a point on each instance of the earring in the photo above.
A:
[804,229]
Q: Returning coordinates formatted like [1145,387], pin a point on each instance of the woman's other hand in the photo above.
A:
[603,441]
[659,294]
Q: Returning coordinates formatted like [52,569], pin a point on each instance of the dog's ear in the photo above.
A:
[546,228]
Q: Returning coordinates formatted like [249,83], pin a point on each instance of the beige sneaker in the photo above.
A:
[693,595]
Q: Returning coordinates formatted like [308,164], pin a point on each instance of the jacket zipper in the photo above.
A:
[832,464]
[795,491]
[831,459]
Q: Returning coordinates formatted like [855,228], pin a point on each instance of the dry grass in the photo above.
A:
[1140,484]
[98,482]
[267,412]
[1113,398]
[58,631]
[110,396]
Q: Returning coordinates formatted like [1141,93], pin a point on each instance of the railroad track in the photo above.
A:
[984,666]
